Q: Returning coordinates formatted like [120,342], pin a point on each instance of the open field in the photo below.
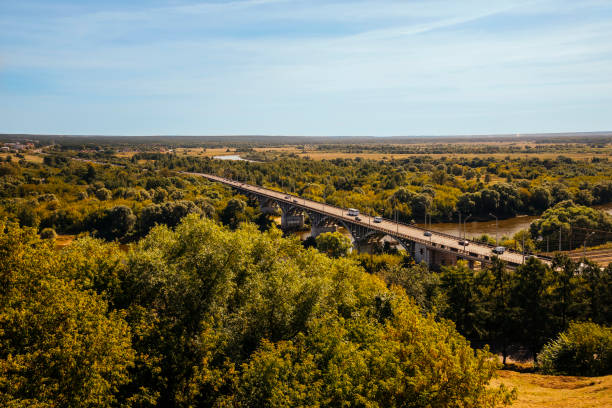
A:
[535,390]
[316,154]
[601,256]
[29,157]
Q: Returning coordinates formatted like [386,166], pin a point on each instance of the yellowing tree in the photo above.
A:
[59,345]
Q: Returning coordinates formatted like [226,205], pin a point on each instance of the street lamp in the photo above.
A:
[496,226]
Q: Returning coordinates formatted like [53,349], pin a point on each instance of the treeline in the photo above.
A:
[516,312]
[477,186]
[121,203]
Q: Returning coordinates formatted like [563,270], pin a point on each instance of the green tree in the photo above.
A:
[59,345]
[530,302]
[242,318]
[335,244]
[495,286]
[583,349]
[463,304]
[234,213]
[564,272]
[594,293]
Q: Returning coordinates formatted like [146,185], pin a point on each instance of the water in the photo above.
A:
[230,157]
[507,227]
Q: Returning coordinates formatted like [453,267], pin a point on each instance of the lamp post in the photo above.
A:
[496,226]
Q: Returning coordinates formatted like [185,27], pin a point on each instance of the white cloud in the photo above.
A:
[351,57]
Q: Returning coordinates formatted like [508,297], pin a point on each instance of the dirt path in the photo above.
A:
[535,390]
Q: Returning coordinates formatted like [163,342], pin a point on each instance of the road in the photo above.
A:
[437,240]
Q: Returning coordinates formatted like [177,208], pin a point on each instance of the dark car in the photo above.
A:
[464,242]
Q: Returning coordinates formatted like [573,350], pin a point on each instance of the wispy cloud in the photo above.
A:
[279,66]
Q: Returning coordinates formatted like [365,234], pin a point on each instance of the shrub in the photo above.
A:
[103,194]
[48,233]
[583,349]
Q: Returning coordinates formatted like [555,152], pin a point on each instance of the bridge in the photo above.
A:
[436,249]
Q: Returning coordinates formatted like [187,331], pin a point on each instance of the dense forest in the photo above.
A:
[177,292]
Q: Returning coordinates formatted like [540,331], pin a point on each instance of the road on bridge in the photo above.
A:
[436,240]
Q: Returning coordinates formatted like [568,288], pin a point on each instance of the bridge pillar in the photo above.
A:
[315,231]
[422,253]
[267,206]
[289,221]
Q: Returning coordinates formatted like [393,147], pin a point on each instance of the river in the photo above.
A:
[507,227]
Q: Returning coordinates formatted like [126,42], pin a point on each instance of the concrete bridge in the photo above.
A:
[436,249]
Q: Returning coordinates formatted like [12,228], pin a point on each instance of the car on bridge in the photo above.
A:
[499,250]
[377,219]
[353,212]
[357,218]
[427,233]
[464,242]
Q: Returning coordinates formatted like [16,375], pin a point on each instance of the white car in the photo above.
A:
[499,250]
[377,219]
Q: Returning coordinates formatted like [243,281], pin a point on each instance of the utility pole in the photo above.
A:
[559,239]
[460,225]
[464,227]
[496,225]
[584,244]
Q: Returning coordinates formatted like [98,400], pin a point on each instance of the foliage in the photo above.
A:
[567,217]
[48,233]
[335,244]
[583,349]
[244,318]
[60,346]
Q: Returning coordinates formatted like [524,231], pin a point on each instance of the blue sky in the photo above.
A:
[305,67]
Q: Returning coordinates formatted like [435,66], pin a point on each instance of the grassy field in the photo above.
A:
[29,157]
[535,390]
[316,154]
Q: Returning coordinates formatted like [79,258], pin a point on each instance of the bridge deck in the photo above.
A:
[439,241]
